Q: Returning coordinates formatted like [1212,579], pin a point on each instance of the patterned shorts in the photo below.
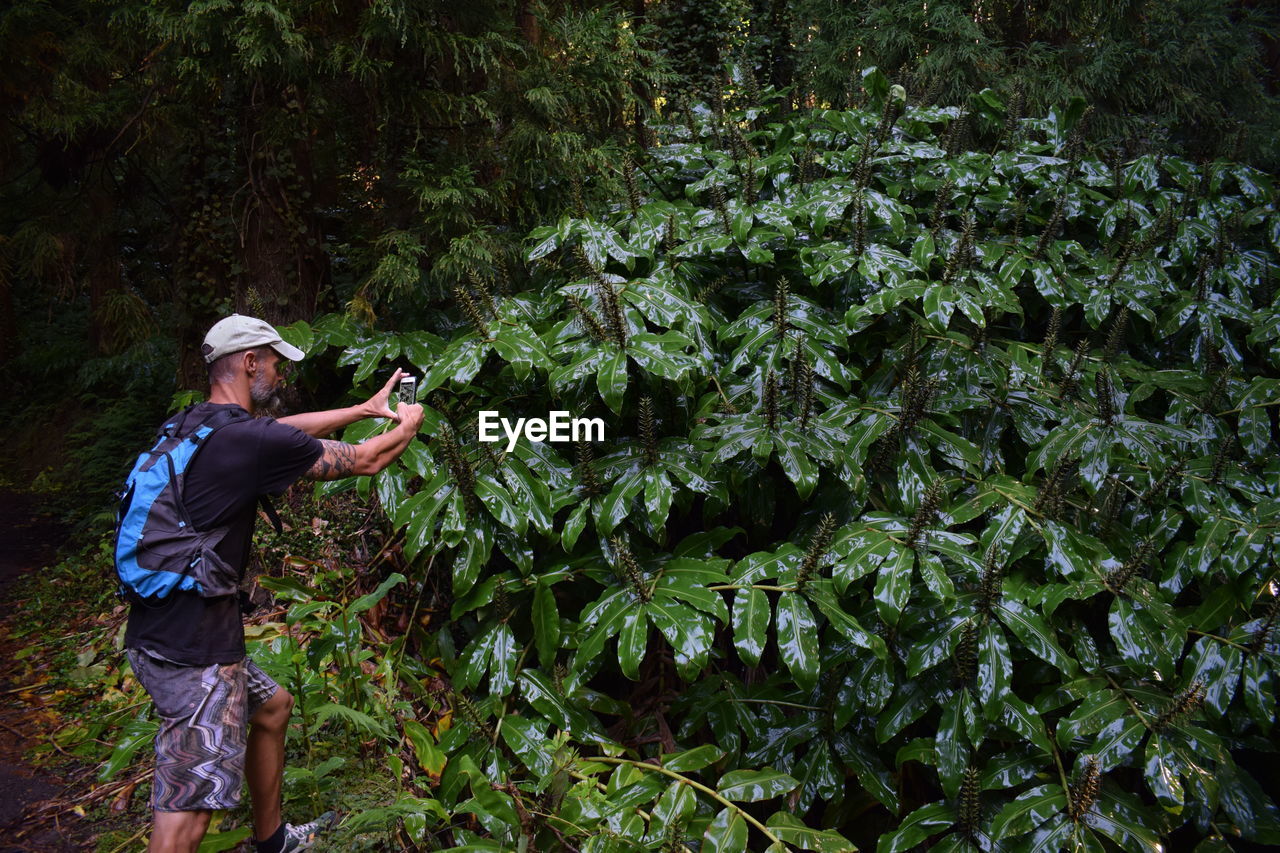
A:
[204,713]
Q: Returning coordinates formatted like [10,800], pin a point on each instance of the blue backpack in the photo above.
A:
[157,549]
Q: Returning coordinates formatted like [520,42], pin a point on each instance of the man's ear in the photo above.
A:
[250,362]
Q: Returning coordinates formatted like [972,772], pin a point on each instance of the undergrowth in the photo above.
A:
[65,636]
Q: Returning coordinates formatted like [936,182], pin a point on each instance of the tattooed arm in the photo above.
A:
[339,459]
[320,424]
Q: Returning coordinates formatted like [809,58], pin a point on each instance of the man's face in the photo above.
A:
[264,392]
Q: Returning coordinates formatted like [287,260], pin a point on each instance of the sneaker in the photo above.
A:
[304,835]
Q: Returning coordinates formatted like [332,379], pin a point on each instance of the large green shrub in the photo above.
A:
[938,499]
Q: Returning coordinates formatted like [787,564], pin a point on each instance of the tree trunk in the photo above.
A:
[8,313]
[100,256]
[528,23]
[282,252]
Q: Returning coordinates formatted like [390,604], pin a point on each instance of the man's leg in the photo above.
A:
[178,832]
[264,761]
[199,756]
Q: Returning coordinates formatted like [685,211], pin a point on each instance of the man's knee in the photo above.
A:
[178,832]
[274,713]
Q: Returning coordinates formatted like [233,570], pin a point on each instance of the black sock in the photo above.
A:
[274,844]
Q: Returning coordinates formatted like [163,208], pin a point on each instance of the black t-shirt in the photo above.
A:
[239,462]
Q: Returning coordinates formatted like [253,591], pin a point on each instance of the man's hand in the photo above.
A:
[410,417]
[379,406]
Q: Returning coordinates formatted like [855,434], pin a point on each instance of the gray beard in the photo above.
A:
[266,399]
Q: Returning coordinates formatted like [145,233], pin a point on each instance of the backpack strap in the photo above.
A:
[214,421]
[269,508]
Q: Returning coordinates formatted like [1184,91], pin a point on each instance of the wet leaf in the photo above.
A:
[1028,811]
[727,832]
[995,670]
[797,638]
[918,826]
[1163,775]
[750,786]
[751,613]
[791,830]
[1029,627]
[1114,743]
[633,639]
[893,583]
[694,759]
[546,622]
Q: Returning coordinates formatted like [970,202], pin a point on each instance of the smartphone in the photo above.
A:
[408,391]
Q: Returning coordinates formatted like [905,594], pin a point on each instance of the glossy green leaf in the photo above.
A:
[863,553]
[503,670]
[798,467]
[950,748]
[458,364]
[1026,721]
[1115,742]
[822,593]
[1028,811]
[574,525]
[658,496]
[689,633]
[916,827]
[633,639]
[491,803]
[528,739]
[936,643]
[1244,800]
[995,670]
[727,833]
[1147,644]
[791,830]
[612,379]
[935,576]
[498,501]
[546,623]
[672,809]
[751,613]
[472,555]
[138,733]
[603,619]
[1217,666]
[1123,825]
[821,777]
[370,355]
[750,786]
[893,583]
[614,507]
[695,759]
[910,701]
[797,638]
[365,602]
[1101,708]
[1258,686]
[1163,774]
[521,347]
[539,691]
[1035,633]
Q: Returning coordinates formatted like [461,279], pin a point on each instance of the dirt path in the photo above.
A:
[28,541]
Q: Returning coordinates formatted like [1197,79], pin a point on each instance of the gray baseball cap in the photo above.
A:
[238,332]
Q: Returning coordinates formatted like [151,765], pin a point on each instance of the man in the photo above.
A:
[188,651]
